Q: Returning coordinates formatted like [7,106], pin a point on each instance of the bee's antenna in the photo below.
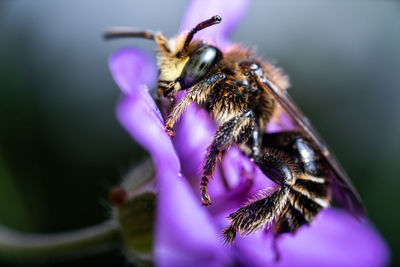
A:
[127,32]
[204,24]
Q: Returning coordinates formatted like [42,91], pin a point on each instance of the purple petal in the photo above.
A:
[132,68]
[231,12]
[243,179]
[141,119]
[237,167]
[334,239]
[185,232]
[193,134]
[137,111]
[179,213]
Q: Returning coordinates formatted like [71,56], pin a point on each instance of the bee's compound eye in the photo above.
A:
[199,64]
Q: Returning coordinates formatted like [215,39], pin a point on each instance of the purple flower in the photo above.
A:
[187,234]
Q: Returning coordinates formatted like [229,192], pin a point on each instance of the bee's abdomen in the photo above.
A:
[290,220]
[307,197]
[311,187]
[309,193]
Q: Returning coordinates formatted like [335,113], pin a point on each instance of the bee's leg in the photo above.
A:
[176,113]
[310,191]
[275,247]
[263,210]
[237,129]
[303,193]
[198,94]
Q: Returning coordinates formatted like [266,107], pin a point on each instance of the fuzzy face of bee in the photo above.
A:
[184,62]
[182,68]
[243,94]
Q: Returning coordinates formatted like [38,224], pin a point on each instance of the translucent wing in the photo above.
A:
[343,189]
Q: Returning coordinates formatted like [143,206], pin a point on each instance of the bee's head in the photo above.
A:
[182,61]
[187,61]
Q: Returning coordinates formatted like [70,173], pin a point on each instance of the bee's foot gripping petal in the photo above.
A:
[170,131]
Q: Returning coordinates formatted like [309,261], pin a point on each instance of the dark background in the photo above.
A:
[61,147]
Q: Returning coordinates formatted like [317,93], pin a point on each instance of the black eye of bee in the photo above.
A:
[202,60]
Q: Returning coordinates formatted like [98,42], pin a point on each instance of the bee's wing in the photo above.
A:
[343,189]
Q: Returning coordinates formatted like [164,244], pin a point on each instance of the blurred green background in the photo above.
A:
[61,148]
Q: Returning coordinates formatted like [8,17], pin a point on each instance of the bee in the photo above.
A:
[243,93]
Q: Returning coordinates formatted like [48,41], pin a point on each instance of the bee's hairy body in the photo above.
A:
[236,92]
[241,108]
[240,91]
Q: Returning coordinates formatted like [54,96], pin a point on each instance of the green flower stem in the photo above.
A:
[33,248]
